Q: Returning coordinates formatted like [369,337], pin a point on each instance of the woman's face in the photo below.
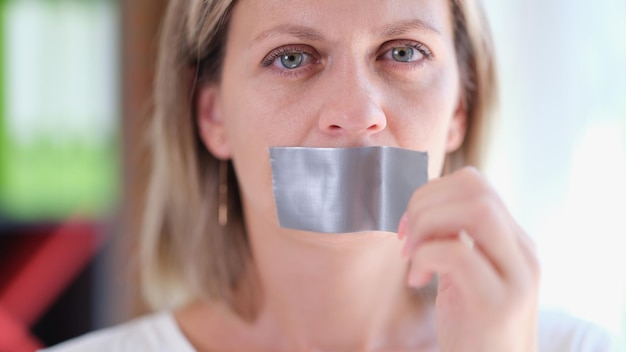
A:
[329,73]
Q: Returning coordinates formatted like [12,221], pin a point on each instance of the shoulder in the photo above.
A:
[559,331]
[157,332]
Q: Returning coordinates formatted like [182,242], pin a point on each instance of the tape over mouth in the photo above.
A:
[341,190]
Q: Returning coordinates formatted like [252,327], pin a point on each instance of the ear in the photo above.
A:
[458,127]
[211,122]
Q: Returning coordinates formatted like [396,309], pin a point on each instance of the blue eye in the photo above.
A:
[403,54]
[291,57]
[291,60]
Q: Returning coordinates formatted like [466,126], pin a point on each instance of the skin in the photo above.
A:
[356,292]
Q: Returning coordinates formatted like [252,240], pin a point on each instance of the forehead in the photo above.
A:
[340,17]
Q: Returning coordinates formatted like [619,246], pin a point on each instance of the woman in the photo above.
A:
[235,79]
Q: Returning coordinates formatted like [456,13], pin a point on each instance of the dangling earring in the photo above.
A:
[222,211]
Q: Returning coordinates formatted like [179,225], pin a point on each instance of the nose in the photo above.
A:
[352,106]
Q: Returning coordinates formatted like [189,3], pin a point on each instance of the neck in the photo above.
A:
[338,292]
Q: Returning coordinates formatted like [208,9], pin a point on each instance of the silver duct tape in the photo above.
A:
[339,190]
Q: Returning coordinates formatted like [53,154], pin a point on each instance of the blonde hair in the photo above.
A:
[185,253]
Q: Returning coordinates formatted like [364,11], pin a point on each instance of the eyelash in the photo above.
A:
[271,57]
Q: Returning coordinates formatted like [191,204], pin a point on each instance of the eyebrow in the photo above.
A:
[403,27]
[310,34]
[298,31]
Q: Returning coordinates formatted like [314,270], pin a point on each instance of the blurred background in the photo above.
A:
[75,81]
[558,154]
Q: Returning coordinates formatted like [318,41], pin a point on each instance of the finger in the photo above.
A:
[462,184]
[466,268]
[466,183]
[527,244]
[481,218]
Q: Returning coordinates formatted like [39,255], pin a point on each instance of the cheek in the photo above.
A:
[260,120]
[420,114]
[277,117]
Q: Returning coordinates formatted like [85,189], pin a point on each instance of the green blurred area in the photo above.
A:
[46,181]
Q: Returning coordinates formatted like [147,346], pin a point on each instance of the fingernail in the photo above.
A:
[402,226]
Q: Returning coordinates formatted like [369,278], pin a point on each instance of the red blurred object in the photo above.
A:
[14,335]
[38,275]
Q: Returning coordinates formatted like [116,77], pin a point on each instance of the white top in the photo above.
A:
[558,332]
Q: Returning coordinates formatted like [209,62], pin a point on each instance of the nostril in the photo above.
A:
[334,127]
[377,127]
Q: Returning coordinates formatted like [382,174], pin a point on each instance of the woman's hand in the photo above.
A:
[458,227]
